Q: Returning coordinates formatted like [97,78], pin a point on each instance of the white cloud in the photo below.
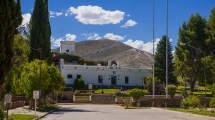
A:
[55,14]
[129,23]
[56,42]
[26,18]
[173,52]
[111,36]
[139,44]
[92,36]
[59,13]
[24,27]
[96,15]
[70,37]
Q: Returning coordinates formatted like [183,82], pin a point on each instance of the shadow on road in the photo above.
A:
[72,110]
[64,110]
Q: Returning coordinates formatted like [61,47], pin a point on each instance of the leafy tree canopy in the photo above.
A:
[190,49]
[50,77]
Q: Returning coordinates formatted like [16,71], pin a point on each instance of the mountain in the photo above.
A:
[105,50]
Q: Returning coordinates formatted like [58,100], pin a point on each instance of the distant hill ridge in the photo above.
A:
[105,50]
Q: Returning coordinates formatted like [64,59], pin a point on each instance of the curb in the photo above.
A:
[49,112]
[187,113]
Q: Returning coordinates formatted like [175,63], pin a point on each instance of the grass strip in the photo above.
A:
[195,111]
[23,117]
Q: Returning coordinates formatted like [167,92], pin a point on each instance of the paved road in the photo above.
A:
[113,112]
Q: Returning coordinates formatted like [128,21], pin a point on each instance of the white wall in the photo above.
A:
[67,47]
[90,74]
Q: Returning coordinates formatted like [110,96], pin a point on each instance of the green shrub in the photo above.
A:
[212,89]
[69,57]
[158,86]
[185,104]
[172,90]
[2,115]
[136,93]
[212,103]
[46,108]
[79,84]
[77,92]
[190,102]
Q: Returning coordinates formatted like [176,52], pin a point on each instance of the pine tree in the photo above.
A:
[10,19]
[40,31]
[190,49]
[208,61]
[210,31]
[160,62]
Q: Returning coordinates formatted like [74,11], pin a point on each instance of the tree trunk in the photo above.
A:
[43,100]
[1,90]
[31,104]
[192,85]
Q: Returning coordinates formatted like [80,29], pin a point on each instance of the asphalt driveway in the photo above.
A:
[114,112]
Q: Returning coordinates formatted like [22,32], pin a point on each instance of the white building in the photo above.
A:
[67,47]
[111,75]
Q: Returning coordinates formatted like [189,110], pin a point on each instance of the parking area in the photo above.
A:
[114,112]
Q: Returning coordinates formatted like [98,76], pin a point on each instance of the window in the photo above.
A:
[67,50]
[78,76]
[69,76]
[100,79]
[114,72]
[126,80]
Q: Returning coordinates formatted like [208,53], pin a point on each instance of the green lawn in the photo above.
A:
[194,111]
[119,99]
[82,98]
[23,117]
[131,107]
[106,91]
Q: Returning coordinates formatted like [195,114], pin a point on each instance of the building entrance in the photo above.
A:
[113,80]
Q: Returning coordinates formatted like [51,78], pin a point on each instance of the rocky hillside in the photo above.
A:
[105,50]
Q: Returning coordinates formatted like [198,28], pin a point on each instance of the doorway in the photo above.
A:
[114,80]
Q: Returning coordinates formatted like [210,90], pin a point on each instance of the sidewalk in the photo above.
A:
[25,110]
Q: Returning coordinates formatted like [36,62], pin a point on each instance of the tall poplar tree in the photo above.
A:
[40,32]
[10,19]
[160,62]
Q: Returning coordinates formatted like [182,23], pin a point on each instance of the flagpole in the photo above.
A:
[166,48]
[153,29]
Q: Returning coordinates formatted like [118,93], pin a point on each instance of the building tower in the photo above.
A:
[67,47]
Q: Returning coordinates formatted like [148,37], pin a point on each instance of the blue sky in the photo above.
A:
[127,21]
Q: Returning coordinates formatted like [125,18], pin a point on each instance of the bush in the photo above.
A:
[2,115]
[136,93]
[185,104]
[212,89]
[79,84]
[46,108]
[172,90]
[190,102]
[212,103]
[158,86]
